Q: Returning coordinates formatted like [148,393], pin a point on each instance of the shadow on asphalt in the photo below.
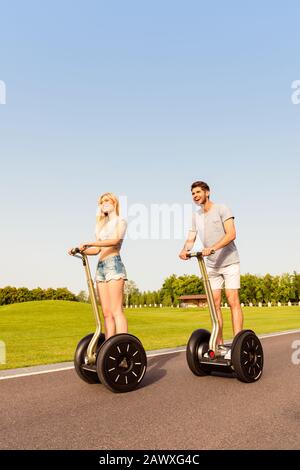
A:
[226,375]
[156,370]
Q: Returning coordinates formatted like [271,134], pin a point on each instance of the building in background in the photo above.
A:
[197,300]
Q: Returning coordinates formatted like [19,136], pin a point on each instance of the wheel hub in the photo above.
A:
[252,358]
[124,364]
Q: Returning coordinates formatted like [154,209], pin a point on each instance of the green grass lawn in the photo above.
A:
[48,331]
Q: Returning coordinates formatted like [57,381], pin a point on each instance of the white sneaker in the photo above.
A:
[228,354]
[224,351]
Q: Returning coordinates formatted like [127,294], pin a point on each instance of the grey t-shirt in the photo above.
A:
[210,227]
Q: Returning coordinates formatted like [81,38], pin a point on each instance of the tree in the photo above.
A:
[167,300]
[130,291]
[259,290]
[8,295]
[157,297]
[285,288]
[248,288]
[150,298]
[62,293]
[167,289]
[295,286]
[267,288]
[49,293]
[38,294]
[188,285]
[82,296]
[275,293]
[23,295]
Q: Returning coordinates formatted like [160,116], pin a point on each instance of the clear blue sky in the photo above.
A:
[141,99]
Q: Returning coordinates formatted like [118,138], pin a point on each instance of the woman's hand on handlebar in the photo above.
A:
[73,251]
[83,246]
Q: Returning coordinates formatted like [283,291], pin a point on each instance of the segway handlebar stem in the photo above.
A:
[210,299]
[91,350]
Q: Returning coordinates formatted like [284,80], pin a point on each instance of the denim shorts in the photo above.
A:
[110,268]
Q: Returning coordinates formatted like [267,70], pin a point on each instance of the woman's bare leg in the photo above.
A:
[116,293]
[104,297]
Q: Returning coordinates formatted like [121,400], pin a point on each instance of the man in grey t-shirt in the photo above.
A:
[215,225]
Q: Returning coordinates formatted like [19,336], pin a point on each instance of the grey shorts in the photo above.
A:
[226,276]
[110,268]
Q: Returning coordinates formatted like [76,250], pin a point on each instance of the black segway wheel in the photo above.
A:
[79,359]
[247,356]
[196,347]
[121,363]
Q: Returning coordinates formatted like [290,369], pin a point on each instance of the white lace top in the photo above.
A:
[115,228]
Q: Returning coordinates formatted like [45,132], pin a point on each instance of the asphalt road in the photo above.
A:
[173,409]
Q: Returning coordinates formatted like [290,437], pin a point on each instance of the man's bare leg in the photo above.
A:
[217,293]
[236,310]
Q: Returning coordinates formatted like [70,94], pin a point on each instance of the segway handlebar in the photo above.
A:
[197,254]
[77,253]
[74,251]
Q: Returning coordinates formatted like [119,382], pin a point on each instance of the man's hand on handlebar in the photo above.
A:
[207,251]
[184,254]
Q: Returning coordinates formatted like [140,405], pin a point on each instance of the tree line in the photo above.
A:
[11,295]
[254,289]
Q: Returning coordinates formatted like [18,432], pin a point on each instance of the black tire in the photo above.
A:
[196,347]
[121,363]
[247,356]
[80,353]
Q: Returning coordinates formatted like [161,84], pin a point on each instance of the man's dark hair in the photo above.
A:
[200,184]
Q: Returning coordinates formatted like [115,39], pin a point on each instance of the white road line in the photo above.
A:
[154,354]
[27,374]
[164,353]
[281,333]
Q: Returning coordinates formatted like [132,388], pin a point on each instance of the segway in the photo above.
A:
[244,358]
[120,362]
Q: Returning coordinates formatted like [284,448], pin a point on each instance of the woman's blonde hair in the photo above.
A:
[101,217]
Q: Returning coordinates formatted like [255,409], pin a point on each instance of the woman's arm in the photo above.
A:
[97,245]
[92,251]
[87,251]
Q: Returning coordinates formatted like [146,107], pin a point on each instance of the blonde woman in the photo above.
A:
[111,273]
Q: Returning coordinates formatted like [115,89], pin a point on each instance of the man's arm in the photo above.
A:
[189,243]
[230,235]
